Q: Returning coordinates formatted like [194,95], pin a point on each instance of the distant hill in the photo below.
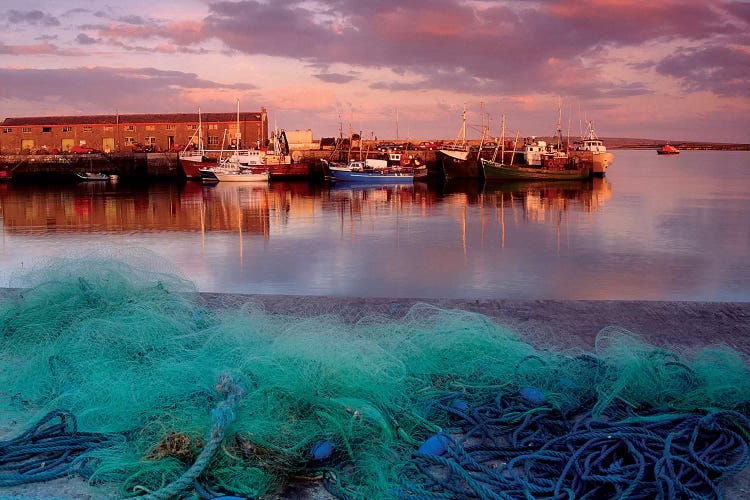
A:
[630,143]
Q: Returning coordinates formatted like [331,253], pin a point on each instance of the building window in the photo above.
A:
[150,127]
[47,130]
[88,128]
[192,126]
[129,128]
[7,130]
[26,130]
[150,140]
[170,126]
[129,140]
[108,128]
[213,126]
[213,140]
[67,129]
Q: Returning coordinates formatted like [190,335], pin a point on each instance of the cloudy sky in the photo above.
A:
[661,69]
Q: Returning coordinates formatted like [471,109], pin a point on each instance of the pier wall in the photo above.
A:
[150,165]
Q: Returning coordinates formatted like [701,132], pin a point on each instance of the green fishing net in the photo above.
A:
[129,349]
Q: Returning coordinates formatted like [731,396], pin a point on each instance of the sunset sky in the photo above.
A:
[671,70]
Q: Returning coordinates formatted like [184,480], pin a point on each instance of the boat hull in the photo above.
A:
[242,177]
[216,175]
[88,176]
[497,172]
[192,166]
[599,161]
[345,175]
[459,165]
[290,171]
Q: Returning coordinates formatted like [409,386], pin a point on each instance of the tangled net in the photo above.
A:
[120,374]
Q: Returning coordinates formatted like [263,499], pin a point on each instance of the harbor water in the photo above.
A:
[655,228]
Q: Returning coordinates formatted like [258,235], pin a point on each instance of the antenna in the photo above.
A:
[396,123]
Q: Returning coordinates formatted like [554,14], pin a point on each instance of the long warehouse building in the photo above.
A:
[131,132]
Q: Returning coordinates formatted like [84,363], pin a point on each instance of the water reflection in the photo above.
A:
[258,208]
[645,231]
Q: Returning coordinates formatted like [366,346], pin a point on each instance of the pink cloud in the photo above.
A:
[44,48]
[181,33]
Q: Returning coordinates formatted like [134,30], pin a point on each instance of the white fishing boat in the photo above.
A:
[91,176]
[591,149]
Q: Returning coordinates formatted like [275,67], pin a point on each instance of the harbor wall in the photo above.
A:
[163,165]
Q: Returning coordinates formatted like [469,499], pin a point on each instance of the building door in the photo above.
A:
[66,145]
[108,144]
[27,144]
[170,142]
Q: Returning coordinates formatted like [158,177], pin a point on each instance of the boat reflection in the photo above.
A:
[538,198]
[262,209]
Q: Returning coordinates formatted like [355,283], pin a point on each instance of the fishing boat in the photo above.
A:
[193,157]
[459,159]
[195,160]
[369,170]
[539,160]
[91,176]
[668,149]
[280,163]
[591,149]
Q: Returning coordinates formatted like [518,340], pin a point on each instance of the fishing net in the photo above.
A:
[115,370]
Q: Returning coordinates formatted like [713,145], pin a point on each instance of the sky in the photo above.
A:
[671,69]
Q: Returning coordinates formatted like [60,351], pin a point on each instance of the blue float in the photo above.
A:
[322,450]
[434,445]
[533,395]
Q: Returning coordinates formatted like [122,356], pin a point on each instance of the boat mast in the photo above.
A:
[349,157]
[237,134]
[481,106]
[501,145]
[200,132]
[396,123]
[558,137]
[502,141]
[463,127]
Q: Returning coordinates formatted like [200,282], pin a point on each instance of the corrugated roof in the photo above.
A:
[126,119]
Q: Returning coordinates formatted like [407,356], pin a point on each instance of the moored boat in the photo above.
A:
[591,149]
[91,176]
[553,169]
[371,171]
[458,160]
[668,149]
[232,170]
[280,163]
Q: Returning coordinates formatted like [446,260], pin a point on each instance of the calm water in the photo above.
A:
[658,228]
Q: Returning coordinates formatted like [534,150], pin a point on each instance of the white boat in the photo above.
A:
[591,149]
[231,169]
[240,166]
[91,176]
[195,159]
[240,176]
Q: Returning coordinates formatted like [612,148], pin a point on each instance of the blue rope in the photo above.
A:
[514,449]
[222,416]
[50,449]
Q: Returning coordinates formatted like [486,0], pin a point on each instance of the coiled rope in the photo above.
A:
[514,449]
[50,449]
